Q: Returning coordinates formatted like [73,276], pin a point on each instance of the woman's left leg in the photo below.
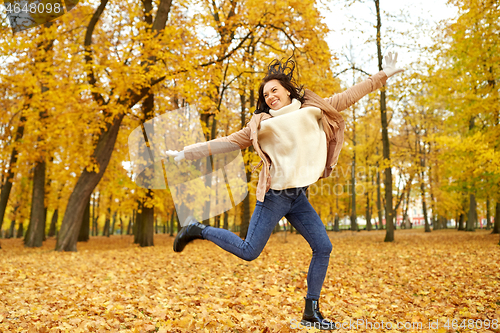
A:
[304,218]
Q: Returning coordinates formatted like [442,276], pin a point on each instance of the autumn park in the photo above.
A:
[98,201]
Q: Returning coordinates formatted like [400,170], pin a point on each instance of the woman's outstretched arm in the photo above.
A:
[235,141]
[347,98]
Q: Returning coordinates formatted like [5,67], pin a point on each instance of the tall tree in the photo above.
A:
[36,228]
[88,180]
[386,151]
[6,185]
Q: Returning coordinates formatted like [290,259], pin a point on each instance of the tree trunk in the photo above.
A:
[70,227]
[121,225]
[20,230]
[472,213]
[368,213]
[461,222]
[112,231]
[435,217]
[36,228]
[146,237]
[146,229]
[83,235]
[389,236]
[138,223]
[105,230]
[422,186]
[53,222]
[424,206]
[12,229]
[44,223]
[406,220]
[96,214]
[496,224]
[472,198]
[476,219]
[130,223]
[354,224]
[379,201]
[92,217]
[86,183]
[226,220]
[436,222]
[488,213]
[7,185]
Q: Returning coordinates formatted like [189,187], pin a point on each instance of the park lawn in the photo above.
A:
[111,284]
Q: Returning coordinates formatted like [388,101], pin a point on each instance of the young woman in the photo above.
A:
[298,136]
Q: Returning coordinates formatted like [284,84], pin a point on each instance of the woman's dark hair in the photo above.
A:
[283,72]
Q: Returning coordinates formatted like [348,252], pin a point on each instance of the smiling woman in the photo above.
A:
[278,87]
[298,135]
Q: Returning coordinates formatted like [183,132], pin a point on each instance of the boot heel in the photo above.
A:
[312,317]
[187,234]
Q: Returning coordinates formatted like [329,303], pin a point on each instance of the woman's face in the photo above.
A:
[275,95]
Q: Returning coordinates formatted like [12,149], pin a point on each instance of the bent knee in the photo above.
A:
[329,247]
[324,247]
[250,255]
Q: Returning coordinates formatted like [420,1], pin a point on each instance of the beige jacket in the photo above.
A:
[333,125]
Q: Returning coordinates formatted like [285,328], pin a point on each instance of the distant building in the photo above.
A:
[415,214]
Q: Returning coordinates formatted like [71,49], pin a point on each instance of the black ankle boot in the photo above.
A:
[313,318]
[187,234]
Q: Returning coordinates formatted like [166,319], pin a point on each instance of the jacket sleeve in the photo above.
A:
[235,141]
[347,98]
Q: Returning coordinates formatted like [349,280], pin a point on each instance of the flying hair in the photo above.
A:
[282,67]
[283,72]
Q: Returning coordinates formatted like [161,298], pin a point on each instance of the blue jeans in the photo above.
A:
[292,204]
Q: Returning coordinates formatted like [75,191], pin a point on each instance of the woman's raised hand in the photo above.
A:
[177,155]
[390,65]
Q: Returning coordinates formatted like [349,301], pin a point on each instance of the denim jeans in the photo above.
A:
[292,204]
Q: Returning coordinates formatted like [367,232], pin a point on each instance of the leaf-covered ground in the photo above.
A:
[112,285]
